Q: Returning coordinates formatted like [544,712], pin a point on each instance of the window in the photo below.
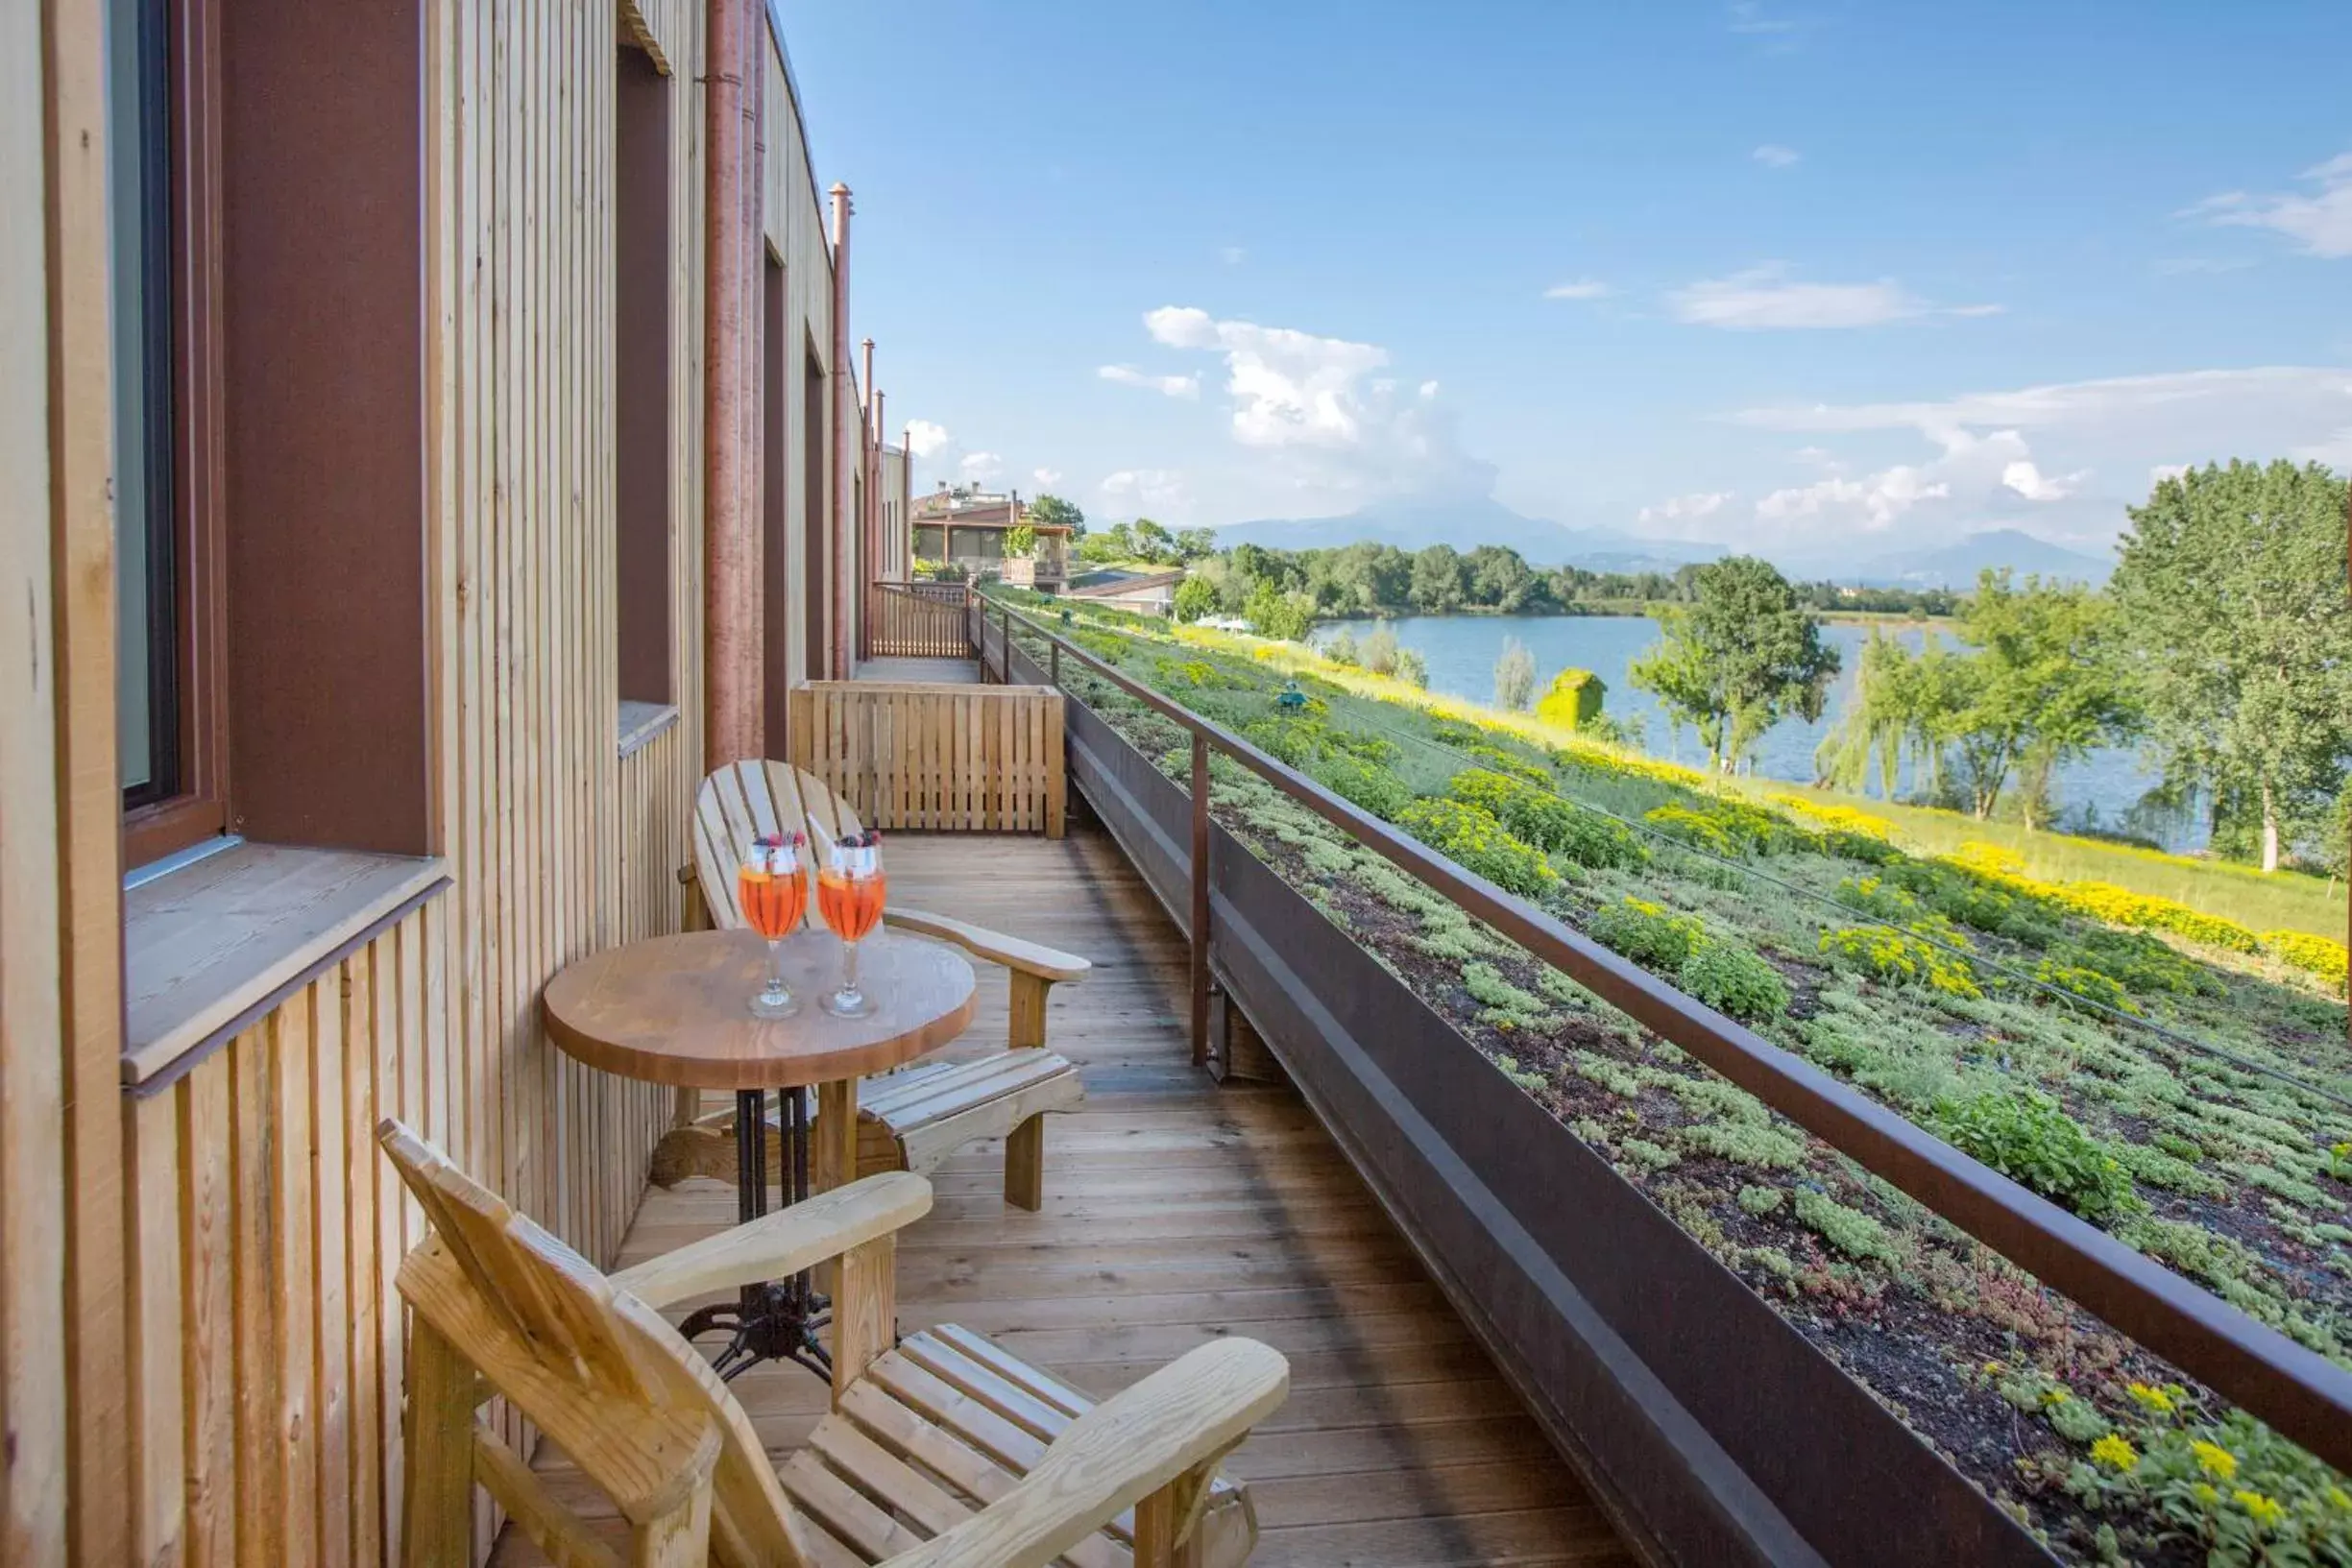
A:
[170,738]
[642,263]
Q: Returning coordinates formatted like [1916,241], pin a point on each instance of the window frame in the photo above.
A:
[190,800]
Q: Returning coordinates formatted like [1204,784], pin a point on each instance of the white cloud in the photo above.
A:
[926,438]
[2335,451]
[1582,288]
[1764,298]
[1046,476]
[2196,400]
[1138,492]
[1772,156]
[1683,517]
[2321,223]
[981,467]
[1232,255]
[1747,18]
[1172,386]
[1995,450]
[1330,428]
[2026,478]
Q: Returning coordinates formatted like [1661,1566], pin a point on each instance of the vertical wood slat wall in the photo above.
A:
[954,759]
[202,1341]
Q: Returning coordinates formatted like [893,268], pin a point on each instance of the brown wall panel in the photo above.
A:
[323,277]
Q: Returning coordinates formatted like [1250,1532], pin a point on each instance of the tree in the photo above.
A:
[1273,613]
[1107,545]
[1020,542]
[1195,544]
[1439,582]
[1195,596]
[1514,675]
[1499,578]
[1152,542]
[1379,651]
[2230,591]
[1052,511]
[1738,657]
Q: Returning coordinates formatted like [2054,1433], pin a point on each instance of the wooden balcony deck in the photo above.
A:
[1178,1210]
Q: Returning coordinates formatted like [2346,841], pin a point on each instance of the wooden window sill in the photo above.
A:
[213,946]
[642,721]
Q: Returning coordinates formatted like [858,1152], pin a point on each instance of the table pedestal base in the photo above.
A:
[773,1319]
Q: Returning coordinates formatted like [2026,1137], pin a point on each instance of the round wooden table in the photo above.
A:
[676,1010]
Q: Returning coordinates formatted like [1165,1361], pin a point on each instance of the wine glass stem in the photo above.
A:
[849,968]
[775,968]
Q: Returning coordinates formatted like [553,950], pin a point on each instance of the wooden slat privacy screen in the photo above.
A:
[911,623]
[971,759]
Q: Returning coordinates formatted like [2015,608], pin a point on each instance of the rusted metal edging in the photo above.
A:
[2301,1393]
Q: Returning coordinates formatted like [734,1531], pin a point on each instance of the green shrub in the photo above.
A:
[1898,959]
[1365,783]
[1744,1143]
[1761,1200]
[1647,934]
[1478,841]
[2137,962]
[2028,1137]
[1732,979]
[1542,818]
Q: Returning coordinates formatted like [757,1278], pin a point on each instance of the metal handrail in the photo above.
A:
[2299,1393]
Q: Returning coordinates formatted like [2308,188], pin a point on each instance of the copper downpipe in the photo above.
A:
[845,438]
[730,697]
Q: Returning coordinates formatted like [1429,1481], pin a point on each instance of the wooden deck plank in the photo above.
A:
[1177,1211]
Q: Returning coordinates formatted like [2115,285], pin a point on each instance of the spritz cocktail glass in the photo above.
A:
[773,892]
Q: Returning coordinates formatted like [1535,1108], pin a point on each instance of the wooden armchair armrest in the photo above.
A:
[1025,957]
[783,1243]
[1163,1436]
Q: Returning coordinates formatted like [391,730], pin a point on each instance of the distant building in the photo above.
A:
[967,527]
[1153,593]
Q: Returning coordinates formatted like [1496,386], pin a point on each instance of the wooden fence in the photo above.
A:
[971,759]
[906,620]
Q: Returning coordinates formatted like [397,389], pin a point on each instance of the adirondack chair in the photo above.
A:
[940,1452]
[913,1118]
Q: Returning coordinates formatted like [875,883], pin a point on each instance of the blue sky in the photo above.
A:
[1771,275]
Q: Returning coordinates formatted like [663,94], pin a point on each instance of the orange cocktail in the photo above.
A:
[849,895]
[772,891]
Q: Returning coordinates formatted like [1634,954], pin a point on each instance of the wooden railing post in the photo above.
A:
[1054,664]
[1200,899]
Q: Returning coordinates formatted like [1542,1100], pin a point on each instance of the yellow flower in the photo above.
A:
[2114,1449]
[1992,1368]
[2216,1460]
[2154,1399]
[2266,1511]
[2053,1397]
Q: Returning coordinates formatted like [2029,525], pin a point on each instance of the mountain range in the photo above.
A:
[1413,525]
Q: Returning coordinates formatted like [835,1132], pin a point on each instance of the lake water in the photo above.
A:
[1461,651]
